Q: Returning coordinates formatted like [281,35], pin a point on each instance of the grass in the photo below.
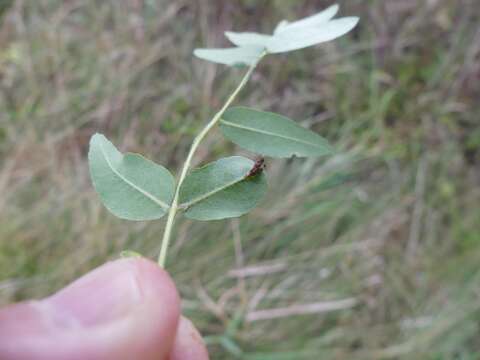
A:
[371,254]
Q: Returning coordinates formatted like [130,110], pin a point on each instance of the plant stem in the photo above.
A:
[196,142]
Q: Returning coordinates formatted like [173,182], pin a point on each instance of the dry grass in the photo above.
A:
[371,254]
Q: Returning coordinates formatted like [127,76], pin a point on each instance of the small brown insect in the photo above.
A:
[257,168]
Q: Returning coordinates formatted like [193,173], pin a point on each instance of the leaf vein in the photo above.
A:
[271,134]
[211,193]
[135,187]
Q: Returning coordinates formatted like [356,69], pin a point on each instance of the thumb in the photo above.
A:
[127,309]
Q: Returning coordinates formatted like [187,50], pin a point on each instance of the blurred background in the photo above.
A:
[373,253]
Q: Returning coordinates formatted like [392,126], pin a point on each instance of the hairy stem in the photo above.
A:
[196,142]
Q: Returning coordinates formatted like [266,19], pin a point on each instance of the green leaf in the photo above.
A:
[311,21]
[130,254]
[222,189]
[130,186]
[245,55]
[271,134]
[248,38]
[301,37]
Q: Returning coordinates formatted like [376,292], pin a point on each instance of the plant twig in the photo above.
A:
[196,142]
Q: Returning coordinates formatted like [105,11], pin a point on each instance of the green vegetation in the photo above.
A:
[135,188]
[373,253]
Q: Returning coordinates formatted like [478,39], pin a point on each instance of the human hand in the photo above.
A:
[127,309]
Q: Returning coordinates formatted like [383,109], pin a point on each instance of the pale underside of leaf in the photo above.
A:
[248,38]
[302,37]
[246,55]
[311,21]
[287,36]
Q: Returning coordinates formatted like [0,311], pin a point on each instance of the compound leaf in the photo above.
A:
[281,25]
[222,189]
[287,36]
[130,186]
[271,134]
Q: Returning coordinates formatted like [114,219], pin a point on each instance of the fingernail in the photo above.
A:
[102,296]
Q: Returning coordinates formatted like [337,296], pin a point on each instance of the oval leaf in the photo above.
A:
[222,189]
[271,134]
[302,37]
[310,21]
[246,55]
[130,186]
[248,38]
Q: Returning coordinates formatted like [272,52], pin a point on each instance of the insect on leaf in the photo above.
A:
[271,134]
[222,189]
[245,55]
[130,186]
